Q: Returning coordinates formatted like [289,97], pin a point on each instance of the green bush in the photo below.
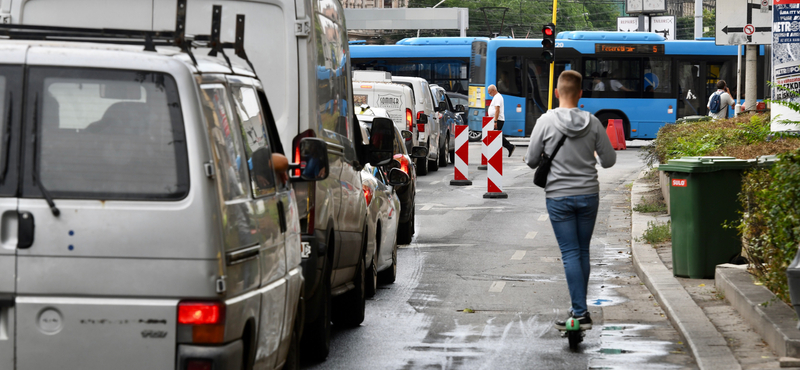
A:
[770,225]
[656,233]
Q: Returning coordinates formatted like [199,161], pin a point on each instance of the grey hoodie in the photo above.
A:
[573,170]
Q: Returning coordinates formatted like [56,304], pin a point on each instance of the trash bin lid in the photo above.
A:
[764,161]
[704,164]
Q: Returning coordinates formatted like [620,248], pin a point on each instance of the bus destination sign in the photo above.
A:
[629,48]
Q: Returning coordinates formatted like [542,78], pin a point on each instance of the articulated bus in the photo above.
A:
[640,78]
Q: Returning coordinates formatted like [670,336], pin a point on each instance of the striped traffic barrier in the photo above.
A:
[484,132]
[495,170]
[461,174]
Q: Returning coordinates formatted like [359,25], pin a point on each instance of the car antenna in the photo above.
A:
[239,46]
[214,43]
[180,31]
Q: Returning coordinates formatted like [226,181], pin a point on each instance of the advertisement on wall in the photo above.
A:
[663,25]
[785,62]
[631,24]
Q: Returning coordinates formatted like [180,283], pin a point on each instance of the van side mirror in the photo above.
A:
[407,134]
[313,161]
[460,108]
[398,178]
[381,141]
[423,118]
[418,152]
[442,106]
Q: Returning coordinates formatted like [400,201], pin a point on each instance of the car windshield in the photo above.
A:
[108,134]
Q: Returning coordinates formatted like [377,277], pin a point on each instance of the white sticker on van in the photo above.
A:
[389,101]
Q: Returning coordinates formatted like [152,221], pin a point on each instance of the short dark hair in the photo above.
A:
[720,84]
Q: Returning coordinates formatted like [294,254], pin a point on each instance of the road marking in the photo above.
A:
[550,259]
[427,207]
[531,235]
[543,217]
[471,208]
[518,255]
[435,182]
[497,287]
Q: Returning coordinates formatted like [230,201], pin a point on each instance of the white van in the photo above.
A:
[424,111]
[310,95]
[396,99]
[148,221]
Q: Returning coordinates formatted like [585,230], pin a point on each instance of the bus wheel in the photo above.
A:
[475,136]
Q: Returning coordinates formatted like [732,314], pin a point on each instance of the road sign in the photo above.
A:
[663,25]
[744,22]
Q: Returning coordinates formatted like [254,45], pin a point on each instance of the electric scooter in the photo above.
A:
[573,332]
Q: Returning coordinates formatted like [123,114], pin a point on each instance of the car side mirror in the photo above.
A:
[394,163]
[406,134]
[398,178]
[423,118]
[442,107]
[313,160]
[381,141]
[460,108]
[418,152]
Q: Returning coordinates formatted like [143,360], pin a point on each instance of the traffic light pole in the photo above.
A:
[552,63]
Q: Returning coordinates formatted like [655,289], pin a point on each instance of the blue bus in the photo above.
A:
[638,77]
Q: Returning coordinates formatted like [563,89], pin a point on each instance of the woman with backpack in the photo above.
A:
[719,101]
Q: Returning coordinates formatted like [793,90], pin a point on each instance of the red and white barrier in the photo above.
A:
[487,126]
[461,174]
[495,161]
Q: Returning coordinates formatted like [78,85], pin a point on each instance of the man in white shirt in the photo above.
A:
[725,101]
[496,111]
[615,84]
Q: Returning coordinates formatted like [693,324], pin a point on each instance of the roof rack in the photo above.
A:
[149,39]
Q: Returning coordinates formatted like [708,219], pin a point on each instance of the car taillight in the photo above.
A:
[409,121]
[367,193]
[421,127]
[296,150]
[486,111]
[307,223]
[403,163]
[419,114]
[205,321]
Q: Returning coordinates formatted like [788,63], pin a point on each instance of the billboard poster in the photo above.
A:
[663,25]
[785,61]
[631,24]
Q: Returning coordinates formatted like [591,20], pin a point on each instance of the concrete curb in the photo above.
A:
[708,347]
[760,308]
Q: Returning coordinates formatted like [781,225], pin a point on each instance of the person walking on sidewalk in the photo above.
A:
[719,101]
[572,190]
[496,112]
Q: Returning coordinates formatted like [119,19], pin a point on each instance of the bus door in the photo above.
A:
[537,79]
[692,96]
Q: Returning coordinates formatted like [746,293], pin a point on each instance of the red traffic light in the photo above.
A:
[547,31]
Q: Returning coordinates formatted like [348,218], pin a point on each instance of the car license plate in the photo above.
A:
[306,249]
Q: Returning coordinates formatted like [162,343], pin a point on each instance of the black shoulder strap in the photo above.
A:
[558,146]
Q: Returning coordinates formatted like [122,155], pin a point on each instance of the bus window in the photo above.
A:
[509,75]
[614,77]
[477,63]
[657,78]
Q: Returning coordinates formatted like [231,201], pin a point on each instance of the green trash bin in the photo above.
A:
[703,197]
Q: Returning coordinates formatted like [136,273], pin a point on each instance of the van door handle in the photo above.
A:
[282,216]
[25,229]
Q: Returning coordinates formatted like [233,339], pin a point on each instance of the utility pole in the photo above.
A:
[552,63]
[698,19]
[750,84]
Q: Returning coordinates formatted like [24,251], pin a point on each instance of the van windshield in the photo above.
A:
[108,134]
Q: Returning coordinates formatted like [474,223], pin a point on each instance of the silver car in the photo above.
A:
[148,221]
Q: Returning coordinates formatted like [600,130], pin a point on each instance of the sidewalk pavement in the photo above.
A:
[733,343]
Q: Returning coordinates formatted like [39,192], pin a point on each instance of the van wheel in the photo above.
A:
[350,310]
[475,136]
[443,151]
[372,273]
[422,166]
[317,335]
[389,275]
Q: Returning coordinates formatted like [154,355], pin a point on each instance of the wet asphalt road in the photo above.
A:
[499,257]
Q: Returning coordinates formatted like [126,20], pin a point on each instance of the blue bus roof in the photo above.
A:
[439,40]
[610,36]
[410,51]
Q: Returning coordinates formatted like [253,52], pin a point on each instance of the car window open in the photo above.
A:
[108,134]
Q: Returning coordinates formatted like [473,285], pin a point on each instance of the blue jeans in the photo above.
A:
[573,219]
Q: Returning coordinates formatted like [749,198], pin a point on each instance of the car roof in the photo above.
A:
[110,55]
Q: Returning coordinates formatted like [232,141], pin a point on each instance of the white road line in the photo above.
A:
[550,259]
[531,235]
[471,208]
[497,287]
[435,182]
[518,255]
[543,217]
[427,207]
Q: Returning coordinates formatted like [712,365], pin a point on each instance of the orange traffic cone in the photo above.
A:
[612,132]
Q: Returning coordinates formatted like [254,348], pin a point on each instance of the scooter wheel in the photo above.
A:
[575,337]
